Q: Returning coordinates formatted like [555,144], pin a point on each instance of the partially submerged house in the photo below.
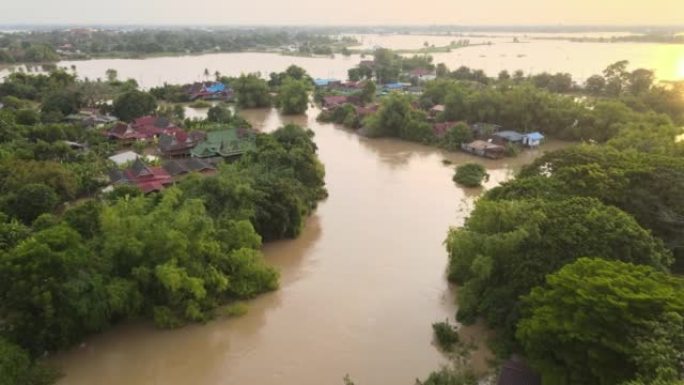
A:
[484,149]
[422,74]
[225,143]
[146,178]
[504,137]
[532,139]
[178,143]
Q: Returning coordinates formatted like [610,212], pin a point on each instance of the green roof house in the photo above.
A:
[226,143]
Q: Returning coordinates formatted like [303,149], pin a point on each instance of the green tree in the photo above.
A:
[31,200]
[455,107]
[644,185]
[640,81]
[387,65]
[605,322]
[134,104]
[456,135]
[50,294]
[616,76]
[252,92]
[367,94]
[16,367]
[396,118]
[112,75]
[63,101]
[442,70]
[294,96]
[471,175]
[595,85]
[219,114]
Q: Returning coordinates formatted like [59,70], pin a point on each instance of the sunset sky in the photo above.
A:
[480,12]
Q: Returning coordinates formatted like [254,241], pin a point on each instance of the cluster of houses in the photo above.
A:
[491,140]
[184,152]
[209,91]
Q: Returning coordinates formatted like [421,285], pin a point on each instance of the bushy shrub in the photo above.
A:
[470,175]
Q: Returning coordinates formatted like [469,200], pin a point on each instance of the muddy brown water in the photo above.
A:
[359,290]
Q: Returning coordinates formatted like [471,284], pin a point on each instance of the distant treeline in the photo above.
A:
[46,46]
[647,38]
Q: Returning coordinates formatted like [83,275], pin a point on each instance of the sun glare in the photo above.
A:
[680,68]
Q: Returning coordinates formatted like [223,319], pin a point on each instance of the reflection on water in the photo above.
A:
[359,290]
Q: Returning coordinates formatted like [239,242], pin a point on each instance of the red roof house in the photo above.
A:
[146,178]
[143,128]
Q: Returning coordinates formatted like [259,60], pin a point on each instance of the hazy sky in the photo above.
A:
[474,12]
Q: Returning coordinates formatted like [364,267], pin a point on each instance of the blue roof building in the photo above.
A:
[216,88]
[509,136]
[533,139]
[324,82]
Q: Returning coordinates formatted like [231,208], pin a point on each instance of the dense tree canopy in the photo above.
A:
[251,92]
[508,247]
[605,322]
[134,104]
[647,186]
[294,96]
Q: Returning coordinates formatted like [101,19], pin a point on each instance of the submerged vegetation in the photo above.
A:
[471,175]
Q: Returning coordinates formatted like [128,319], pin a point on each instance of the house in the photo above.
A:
[179,167]
[532,139]
[484,149]
[90,117]
[396,86]
[504,137]
[422,74]
[327,83]
[209,91]
[437,109]
[225,143]
[124,158]
[516,372]
[147,179]
[143,128]
[178,142]
[334,101]
[485,130]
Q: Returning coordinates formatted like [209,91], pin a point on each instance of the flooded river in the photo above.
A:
[529,54]
[360,287]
